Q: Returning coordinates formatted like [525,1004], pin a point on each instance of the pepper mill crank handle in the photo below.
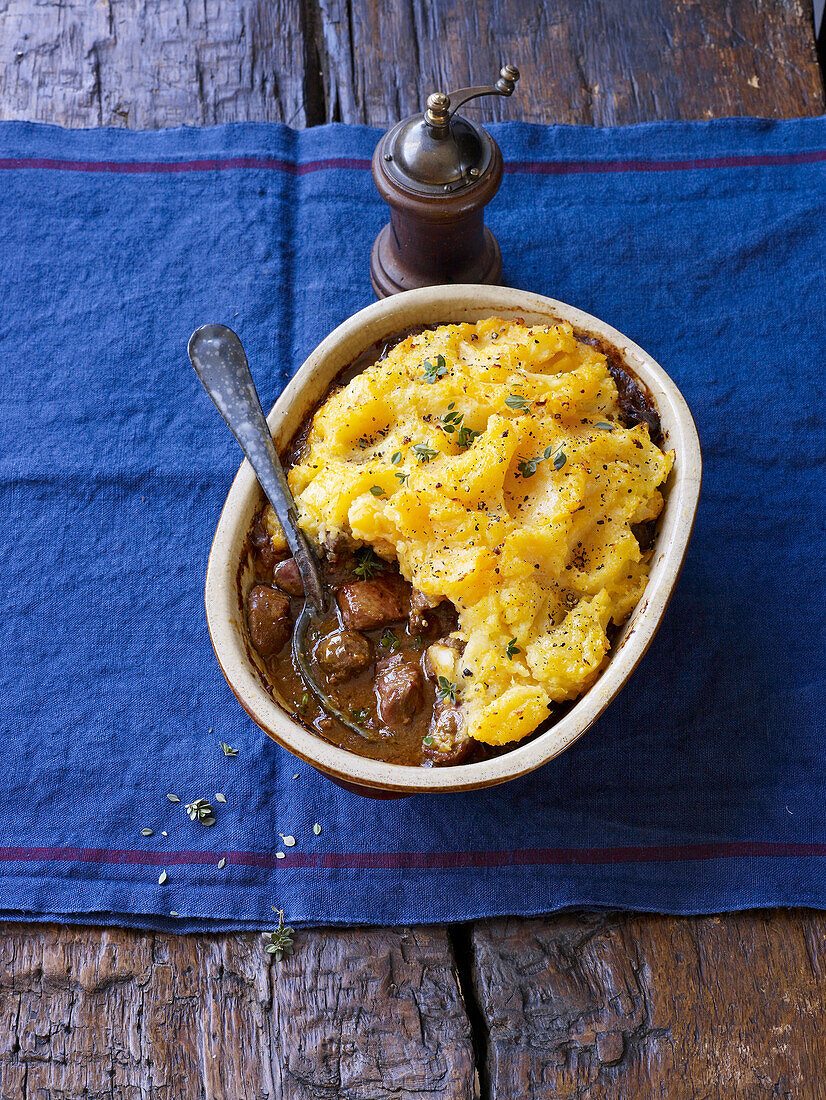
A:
[441,107]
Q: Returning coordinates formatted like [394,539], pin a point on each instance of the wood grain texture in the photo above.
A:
[353,1015]
[155,63]
[152,63]
[582,61]
[607,1006]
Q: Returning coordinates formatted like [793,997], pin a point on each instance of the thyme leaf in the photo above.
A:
[512,649]
[435,371]
[423,452]
[452,422]
[446,690]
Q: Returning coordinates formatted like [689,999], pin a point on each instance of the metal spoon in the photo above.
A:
[221,364]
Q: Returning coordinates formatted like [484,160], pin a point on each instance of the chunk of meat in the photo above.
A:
[266,553]
[449,744]
[268,613]
[399,688]
[343,655]
[366,605]
[429,615]
[420,623]
[287,577]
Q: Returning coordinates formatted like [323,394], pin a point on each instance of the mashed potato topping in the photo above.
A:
[490,460]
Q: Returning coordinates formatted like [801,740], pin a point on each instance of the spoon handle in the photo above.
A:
[221,364]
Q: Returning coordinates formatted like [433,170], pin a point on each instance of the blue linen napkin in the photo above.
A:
[701,789]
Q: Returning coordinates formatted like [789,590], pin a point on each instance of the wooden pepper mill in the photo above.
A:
[438,172]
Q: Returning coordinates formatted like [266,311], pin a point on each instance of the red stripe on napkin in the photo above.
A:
[531,167]
[391,861]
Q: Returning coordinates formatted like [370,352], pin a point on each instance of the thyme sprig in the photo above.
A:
[423,452]
[452,422]
[465,436]
[368,563]
[201,810]
[280,939]
[512,649]
[527,467]
[396,459]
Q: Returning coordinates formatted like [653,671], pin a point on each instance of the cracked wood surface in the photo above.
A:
[575,1007]
[588,1007]
[579,1006]
[151,63]
[365,1013]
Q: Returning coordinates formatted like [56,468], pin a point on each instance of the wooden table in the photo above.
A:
[580,1005]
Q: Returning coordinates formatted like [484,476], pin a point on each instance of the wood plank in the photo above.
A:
[138,1015]
[371,1013]
[582,61]
[154,63]
[605,1006]
[591,62]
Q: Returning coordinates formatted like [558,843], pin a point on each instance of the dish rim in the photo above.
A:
[377,321]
